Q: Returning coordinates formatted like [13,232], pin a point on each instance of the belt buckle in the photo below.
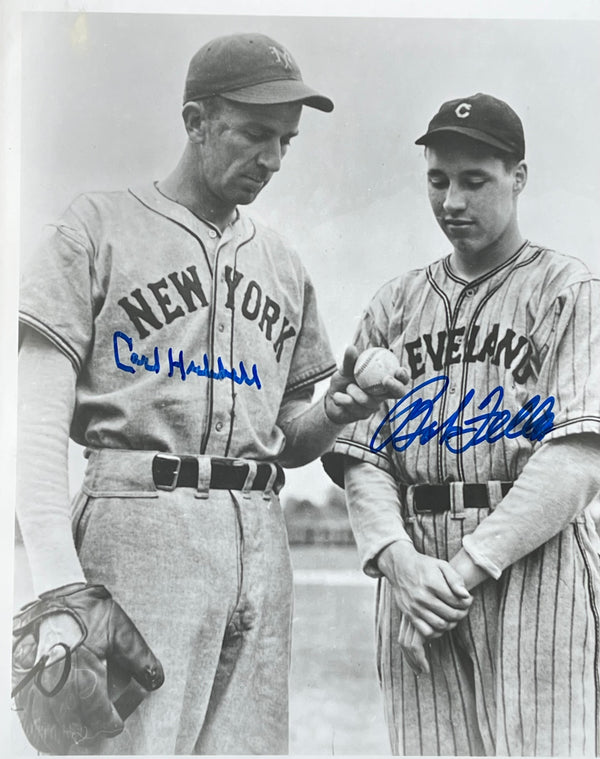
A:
[170,457]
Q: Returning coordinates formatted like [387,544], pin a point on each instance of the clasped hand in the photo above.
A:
[431,595]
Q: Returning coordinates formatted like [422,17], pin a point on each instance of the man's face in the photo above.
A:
[243,147]
[472,194]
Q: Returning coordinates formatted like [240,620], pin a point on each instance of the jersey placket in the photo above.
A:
[221,393]
[466,303]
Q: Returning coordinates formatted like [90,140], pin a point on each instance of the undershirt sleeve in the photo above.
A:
[557,483]
[374,509]
[43,504]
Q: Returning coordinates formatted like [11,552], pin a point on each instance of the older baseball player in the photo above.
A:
[182,343]
[467,496]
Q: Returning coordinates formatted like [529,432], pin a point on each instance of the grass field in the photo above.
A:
[335,701]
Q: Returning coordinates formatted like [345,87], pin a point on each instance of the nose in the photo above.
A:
[454,201]
[270,156]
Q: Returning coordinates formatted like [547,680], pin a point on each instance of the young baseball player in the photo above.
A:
[182,343]
[467,496]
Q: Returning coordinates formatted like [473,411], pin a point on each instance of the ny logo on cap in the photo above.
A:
[463,110]
[281,56]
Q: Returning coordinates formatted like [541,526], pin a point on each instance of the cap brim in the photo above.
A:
[280,91]
[474,134]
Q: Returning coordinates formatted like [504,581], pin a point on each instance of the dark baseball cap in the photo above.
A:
[481,117]
[249,68]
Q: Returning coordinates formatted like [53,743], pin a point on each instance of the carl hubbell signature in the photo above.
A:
[126,359]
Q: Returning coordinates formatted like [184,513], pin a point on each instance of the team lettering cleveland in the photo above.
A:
[449,347]
[153,313]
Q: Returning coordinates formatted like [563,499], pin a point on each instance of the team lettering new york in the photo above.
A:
[176,294]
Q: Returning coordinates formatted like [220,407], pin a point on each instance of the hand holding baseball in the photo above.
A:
[353,396]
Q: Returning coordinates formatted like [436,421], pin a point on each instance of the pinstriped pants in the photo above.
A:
[520,675]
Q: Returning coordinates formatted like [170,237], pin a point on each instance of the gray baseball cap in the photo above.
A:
[249,68]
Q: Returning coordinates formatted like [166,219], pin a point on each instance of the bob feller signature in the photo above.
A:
[459,431]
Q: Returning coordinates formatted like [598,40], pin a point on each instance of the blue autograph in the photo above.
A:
[176,363]
[532,421]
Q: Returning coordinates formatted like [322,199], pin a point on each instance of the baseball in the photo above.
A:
[372,366]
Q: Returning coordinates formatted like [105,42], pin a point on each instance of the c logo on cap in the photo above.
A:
[463,110]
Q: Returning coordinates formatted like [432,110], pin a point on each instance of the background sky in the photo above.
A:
[101,102]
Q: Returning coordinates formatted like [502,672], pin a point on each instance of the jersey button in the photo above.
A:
[219,426]
[470,292]
[221,327]
[452,389]
[212,233]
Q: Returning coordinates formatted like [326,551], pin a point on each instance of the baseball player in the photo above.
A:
[467,497]
[182,343]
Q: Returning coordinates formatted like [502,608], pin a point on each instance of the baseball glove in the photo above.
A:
[66,701]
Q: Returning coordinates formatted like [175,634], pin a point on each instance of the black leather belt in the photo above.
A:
[170,472]
[436,498]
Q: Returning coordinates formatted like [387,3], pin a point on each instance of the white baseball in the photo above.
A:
[372,366]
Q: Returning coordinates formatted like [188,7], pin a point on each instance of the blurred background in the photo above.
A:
[101,100]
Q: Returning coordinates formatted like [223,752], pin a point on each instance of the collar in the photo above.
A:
[150,196]
[488,275]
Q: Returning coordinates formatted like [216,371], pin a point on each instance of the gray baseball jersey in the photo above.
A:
[185,340]
[498,366]
[167,321]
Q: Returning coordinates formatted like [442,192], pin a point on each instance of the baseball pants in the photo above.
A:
[520,675]
[206,577]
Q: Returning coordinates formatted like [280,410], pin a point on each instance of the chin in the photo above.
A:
[244,198]
[467,247]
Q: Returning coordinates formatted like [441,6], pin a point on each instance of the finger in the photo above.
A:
[434,610]
[353,394]
[132,653]
[393,388]
[423,627]
[413,647]
[438,618]
[439,589]
[419,652]
[413,661]
[404,639]
[402,375]
[455,582]
[350,356]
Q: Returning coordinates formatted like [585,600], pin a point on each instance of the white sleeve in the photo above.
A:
[557,483]
[307,428]
[46,402]
[374,509]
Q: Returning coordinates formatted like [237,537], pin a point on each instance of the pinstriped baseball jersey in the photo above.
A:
[519,675]
[530,327]
[166,321]
[513,679]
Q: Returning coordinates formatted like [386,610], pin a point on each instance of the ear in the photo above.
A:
[195,120]
[520,177]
